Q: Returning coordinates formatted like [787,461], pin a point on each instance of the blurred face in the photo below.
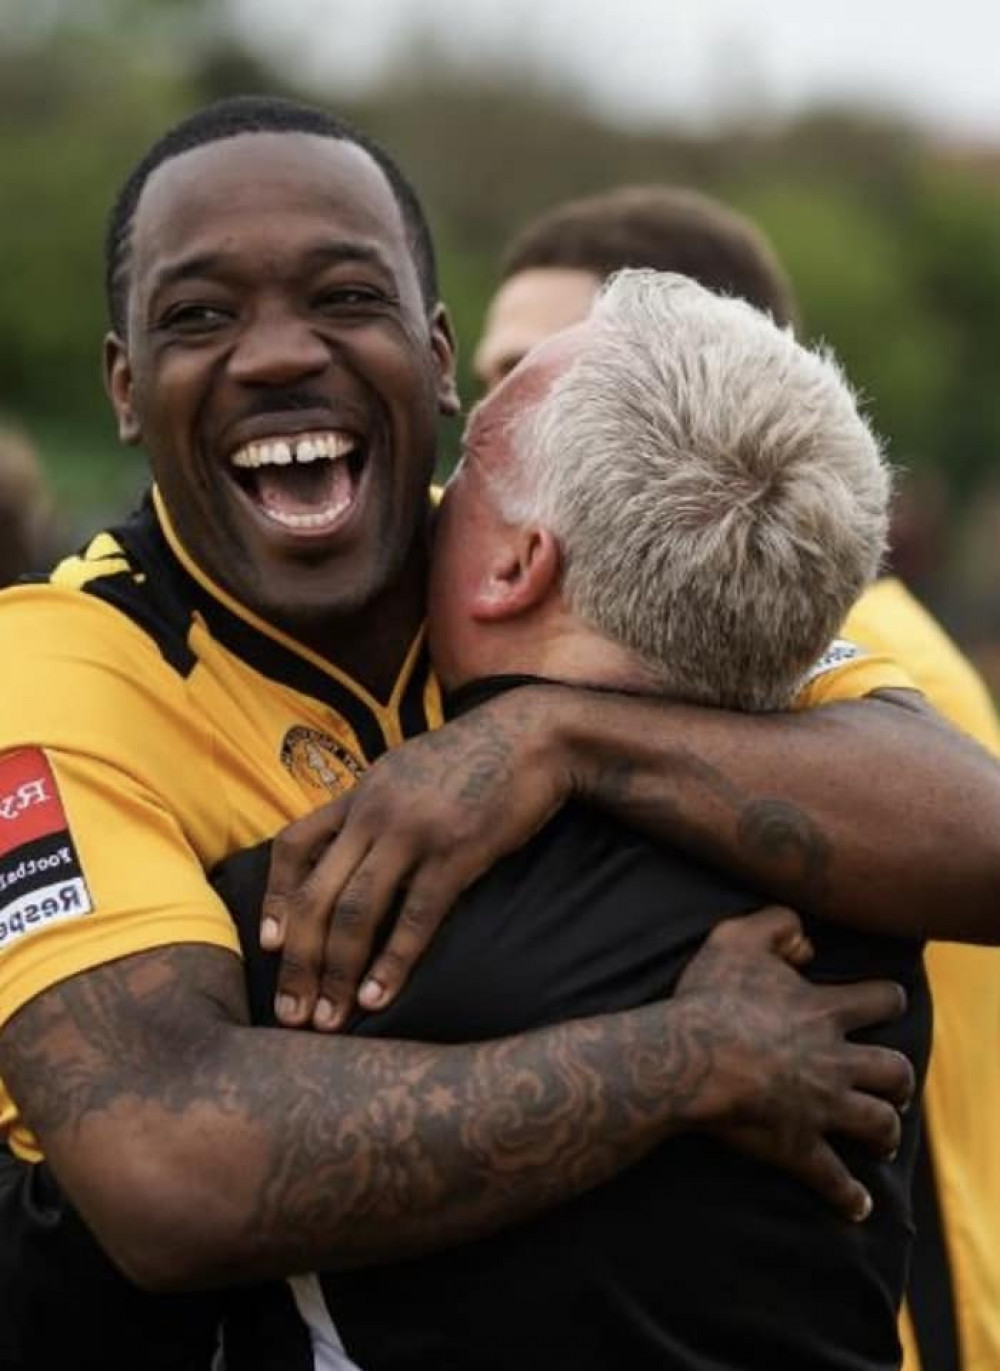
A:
[282,372]
[528,308]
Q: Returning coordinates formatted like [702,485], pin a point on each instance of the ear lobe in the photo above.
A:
[445,355]
[118,384]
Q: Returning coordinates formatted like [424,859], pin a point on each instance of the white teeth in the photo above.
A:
[317,519]
[282,452]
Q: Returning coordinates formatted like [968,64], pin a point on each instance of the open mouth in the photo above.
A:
[306,482]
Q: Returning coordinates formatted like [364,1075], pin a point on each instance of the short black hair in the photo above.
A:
[664,228]
[253,114]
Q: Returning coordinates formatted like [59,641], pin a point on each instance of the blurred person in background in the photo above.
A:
[26,522]
[550,275]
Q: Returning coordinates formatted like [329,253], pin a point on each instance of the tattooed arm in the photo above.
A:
[872,812]
[201,1151]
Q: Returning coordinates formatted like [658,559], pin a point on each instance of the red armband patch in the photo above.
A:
[41,880]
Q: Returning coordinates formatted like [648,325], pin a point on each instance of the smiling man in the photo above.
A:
[249,643]
[304,500]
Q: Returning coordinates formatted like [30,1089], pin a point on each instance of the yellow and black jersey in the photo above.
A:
[953,1322]
[152,727]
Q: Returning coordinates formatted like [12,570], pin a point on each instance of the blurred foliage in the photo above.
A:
[894,244]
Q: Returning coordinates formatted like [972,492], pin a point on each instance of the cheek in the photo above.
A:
[163,394]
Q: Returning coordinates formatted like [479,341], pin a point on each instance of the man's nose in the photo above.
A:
[276,348]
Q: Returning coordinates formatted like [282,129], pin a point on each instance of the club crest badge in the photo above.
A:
[318,761]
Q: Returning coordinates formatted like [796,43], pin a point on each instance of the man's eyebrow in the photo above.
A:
[221,264]
[199,264]
[332,254]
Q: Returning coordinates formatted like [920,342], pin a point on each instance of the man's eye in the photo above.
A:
[349,297]
[195,318]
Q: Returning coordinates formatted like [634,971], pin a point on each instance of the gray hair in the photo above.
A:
[719,499]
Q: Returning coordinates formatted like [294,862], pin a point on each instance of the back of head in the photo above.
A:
[719,499]
[229,118]
[662,228]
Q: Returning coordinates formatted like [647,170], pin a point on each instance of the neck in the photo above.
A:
[561,651]
[371,643]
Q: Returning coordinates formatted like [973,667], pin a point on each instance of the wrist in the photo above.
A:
[550,723]
[710,1082]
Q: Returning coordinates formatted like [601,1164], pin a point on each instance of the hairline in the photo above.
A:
[119,257]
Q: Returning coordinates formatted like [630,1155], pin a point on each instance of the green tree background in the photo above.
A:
[893,241]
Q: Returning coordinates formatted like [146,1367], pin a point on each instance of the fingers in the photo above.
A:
[883,1072]
[357,912]
[423,910]
[303,912]
[864,1004]
[774,929]
[294,853]
[870,1121]
[822,1170]
[815,1164]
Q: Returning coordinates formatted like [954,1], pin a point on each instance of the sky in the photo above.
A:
[693,60]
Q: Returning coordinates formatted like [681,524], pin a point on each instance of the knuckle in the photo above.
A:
[373,808]
[724,933]
[417,916]
[350,916]
[883,1125]
[302,903]
[295,969]
[391,967]
[291,847]
[336,980]
[905,1077]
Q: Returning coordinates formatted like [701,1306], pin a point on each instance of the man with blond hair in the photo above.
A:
[674,498]
[550,274]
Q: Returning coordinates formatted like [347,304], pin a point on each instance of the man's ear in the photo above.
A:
[445,355]
[118,384]
[524,572]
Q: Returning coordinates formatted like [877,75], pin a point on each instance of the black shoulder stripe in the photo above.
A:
[122,593]
[147,590]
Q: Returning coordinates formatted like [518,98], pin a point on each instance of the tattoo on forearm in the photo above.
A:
[788,843]
[775,841]
[347,1149]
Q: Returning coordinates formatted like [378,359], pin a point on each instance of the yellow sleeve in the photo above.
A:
[847,671]
[108,811]
[887,618]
